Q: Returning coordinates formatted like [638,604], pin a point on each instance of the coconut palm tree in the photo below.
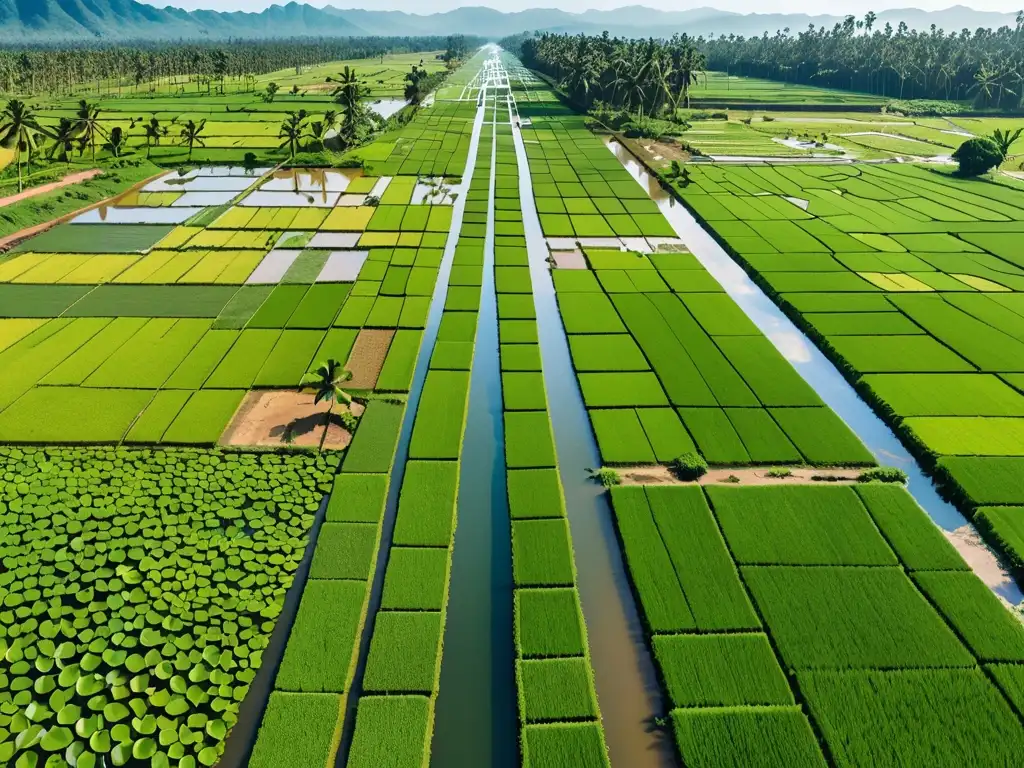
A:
[327,380]
[349,93]
[18,131]
[153,134]
[292,131]
[190,135]
[63,141]
[89,126]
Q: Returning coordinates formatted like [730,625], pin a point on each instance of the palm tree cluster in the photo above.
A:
[21,131]
[299,125]
[64,68]
[648,77]
[984,65]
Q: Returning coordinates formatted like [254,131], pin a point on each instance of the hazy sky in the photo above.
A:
[857,7]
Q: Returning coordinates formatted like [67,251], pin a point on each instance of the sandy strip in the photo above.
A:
[660,475]
[42,189]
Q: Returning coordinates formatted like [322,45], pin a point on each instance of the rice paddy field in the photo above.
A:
[781,641]
[201,568]
[907,277]
[720,88]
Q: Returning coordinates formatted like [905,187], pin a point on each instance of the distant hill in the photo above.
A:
[57,20]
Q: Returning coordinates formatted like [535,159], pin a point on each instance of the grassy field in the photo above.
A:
[721,88]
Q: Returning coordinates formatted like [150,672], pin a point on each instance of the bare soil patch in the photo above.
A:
[660,475]
[286,417]
[367,357]
[569,260]
[663,152]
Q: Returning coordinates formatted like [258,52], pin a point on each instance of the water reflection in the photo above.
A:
[819,372]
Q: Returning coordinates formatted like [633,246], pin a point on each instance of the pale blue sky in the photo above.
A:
[857,7]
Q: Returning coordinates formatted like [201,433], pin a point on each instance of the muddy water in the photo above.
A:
[824,377]
[627,685]
[475,718]
[402,453]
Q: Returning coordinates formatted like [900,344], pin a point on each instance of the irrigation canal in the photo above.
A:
[818,371]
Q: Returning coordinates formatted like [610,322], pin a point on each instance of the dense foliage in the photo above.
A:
[976,156]
[645,76]
[63,70]
[986,66]
[139,590]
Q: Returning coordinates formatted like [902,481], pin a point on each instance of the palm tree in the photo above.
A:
[18,131]
[117,141]
[89,127]
[63,140]
[1005,139]
[327,380]
[153,134]
[349,93]
[190,135]
[292,131]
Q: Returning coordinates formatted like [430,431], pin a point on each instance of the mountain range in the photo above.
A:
[66,20]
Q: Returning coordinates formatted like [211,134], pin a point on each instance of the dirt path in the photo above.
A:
[659,475]
[42,189]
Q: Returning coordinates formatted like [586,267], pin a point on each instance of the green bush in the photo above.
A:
[689,466]
[976,156]
[882,475]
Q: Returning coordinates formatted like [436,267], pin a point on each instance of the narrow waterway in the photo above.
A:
[475,719]
[402,453]
[627,685]
[824,377]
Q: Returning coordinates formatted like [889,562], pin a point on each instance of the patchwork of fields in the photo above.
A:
[155,315]
[910,280]
[667,363]
[779,617]
[148,345]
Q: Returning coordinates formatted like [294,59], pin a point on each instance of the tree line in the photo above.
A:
[649,77]
[68,70]
[984,66]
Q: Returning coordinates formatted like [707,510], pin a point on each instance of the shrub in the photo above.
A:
[778,472]
[882,475]
[606,476]
[976,156]
[689,466]
[921,107]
